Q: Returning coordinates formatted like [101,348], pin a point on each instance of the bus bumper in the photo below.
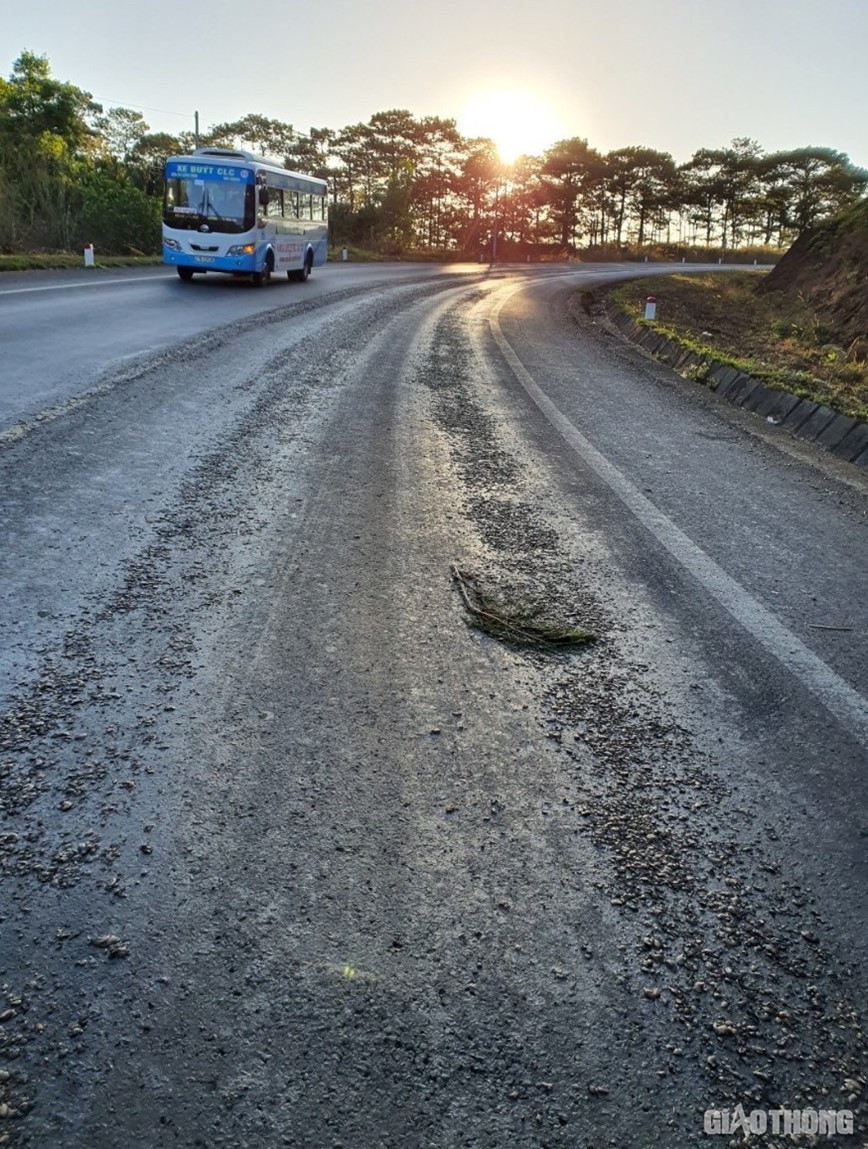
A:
[240,264]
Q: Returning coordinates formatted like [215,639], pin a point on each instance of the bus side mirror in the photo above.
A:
[263,197]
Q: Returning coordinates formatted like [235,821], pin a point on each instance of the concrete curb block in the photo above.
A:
[727,378]
[839,434]
[817,422]
[802,411]
[760,394]
[833,434]
[854,443]
[742,389]
[779,405]
[721,375]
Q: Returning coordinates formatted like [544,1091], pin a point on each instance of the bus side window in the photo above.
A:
[275,203]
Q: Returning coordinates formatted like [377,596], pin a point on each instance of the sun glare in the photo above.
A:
[518,122]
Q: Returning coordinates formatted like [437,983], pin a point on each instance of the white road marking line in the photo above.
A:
[838,696]
[72,286]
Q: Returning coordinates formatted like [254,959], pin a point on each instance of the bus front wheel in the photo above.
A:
[186,273]
[260,278]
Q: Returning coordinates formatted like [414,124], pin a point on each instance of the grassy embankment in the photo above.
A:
[775,338]
[61,260]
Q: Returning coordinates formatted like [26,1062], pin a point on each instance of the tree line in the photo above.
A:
[73,173]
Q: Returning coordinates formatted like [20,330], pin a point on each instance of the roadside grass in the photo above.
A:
[354,254]
[776,338]
[389,253]
[56,261]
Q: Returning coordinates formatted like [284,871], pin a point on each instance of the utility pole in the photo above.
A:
[196,129]
[494,234]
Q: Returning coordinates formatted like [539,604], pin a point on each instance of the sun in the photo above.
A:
[519,122]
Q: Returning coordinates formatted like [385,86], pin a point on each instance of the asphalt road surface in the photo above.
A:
[291,854]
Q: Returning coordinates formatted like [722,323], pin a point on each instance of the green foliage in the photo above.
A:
[816,182]
[571,170]
[33,105]
[115,215]
[71,175]
[255,133]
[121,131]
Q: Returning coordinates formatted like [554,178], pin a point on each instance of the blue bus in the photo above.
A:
[231,211]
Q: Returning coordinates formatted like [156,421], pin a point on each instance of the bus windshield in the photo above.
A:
[223,206]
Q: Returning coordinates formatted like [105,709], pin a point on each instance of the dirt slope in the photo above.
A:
[829,267]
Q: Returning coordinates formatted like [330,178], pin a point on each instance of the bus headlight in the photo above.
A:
[242,249]
[172,245]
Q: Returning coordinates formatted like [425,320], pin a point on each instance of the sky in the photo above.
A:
[676,75]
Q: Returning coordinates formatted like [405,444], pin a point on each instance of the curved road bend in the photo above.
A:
[293,856]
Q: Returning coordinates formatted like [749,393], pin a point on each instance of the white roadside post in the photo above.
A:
[88,255]
[650,307]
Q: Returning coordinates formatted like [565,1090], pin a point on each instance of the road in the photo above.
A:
[292,855]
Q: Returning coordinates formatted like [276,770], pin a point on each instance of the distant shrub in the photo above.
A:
[115,216]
